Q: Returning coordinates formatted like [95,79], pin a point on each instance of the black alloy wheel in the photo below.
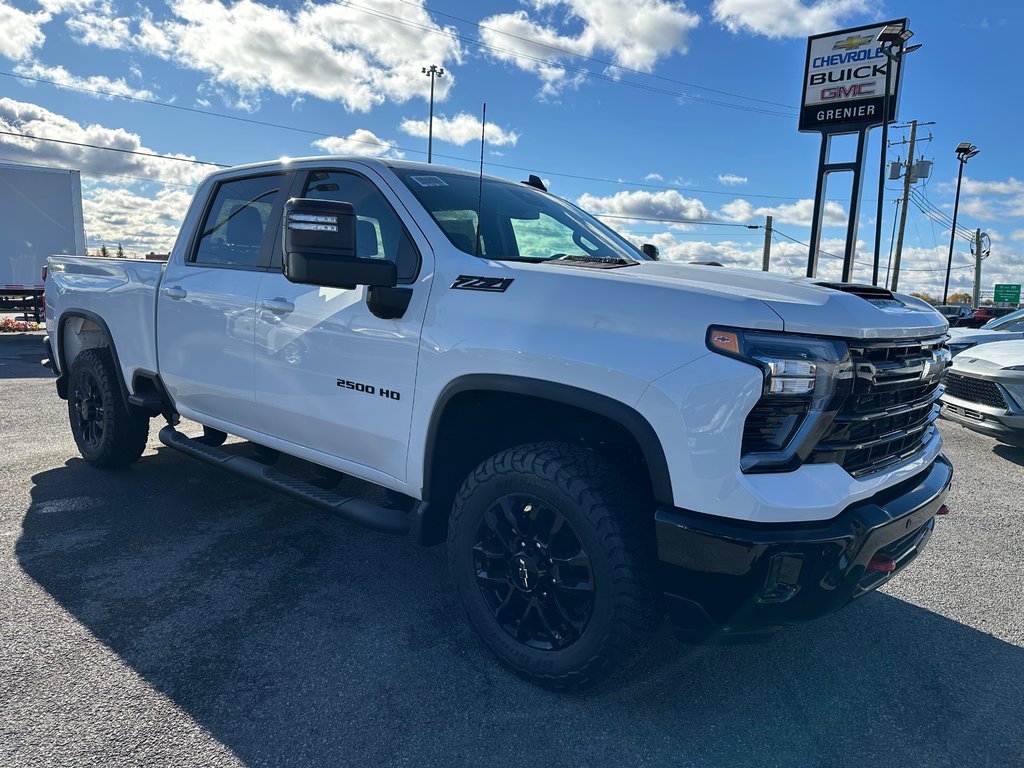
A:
[108,433]
[551,553]
[534,573]
[88,407]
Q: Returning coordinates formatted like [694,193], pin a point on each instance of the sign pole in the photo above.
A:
[819,207]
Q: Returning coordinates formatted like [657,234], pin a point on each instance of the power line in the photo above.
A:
[928,209]
[112,149]
[676,221]
[378,143]
[834,256]
[602,62]
[111,175]
[579,70]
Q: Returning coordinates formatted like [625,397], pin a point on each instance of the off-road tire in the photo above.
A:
[614,523]
[109,435]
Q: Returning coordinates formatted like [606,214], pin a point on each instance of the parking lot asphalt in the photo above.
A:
[171,614]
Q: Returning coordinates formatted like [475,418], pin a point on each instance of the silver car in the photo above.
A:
[985,390]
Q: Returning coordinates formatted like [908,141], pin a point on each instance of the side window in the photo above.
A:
[379,231]
[232,234]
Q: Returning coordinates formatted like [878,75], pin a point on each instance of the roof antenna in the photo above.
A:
[480,191]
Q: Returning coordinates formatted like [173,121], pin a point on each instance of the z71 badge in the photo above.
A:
[475,283]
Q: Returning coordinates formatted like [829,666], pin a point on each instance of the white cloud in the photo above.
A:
[788,18]
[20,32]
[634,35]
[668,204]
[61,76]
[1017,234]
[1010,186]
[461,129]
[26,118]
[138,222]
[978,208]
[359,142]
[731,179]
[799,213]
[654,177]
[329,51]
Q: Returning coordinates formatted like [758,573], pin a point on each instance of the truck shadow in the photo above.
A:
[20,356]
[297,638]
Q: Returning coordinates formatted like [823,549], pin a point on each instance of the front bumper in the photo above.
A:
[732,578]
[1001,424]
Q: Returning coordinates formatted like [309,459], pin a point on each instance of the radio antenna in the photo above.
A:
[480,190]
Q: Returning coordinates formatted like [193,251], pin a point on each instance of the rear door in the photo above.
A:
[206,305]
[331,376]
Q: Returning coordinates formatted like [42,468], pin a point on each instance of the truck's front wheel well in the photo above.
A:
[477,424]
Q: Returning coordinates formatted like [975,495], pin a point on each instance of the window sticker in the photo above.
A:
[429,181]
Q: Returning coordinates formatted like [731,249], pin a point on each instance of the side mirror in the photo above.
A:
[650,251]
[320,247]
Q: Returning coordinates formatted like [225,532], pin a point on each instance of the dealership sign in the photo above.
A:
[844,80]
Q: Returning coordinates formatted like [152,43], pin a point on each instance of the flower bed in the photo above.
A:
[10,325]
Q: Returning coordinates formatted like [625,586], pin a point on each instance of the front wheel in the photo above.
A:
[552,556]
[107,433]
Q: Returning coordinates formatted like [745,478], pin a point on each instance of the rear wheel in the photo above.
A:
[107,432]
[552,556]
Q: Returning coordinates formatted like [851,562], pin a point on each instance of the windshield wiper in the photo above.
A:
[585,260]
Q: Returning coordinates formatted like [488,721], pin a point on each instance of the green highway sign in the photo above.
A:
[1006,293]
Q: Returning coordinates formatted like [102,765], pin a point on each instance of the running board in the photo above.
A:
[357,510]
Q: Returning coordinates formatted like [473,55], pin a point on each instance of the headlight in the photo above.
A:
[806,381]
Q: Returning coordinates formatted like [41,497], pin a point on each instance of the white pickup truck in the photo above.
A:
[600,437]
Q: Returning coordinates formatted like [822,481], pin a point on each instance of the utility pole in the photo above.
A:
[977,268]
[903,211]
[432,71]
[767,243]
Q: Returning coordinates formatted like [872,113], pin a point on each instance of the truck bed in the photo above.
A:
[121,293]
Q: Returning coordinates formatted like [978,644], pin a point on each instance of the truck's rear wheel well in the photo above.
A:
[76,333]
[473,425]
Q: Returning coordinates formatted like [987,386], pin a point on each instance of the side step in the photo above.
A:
[148,401]
[357,510]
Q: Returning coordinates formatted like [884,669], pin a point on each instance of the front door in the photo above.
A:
[332,377]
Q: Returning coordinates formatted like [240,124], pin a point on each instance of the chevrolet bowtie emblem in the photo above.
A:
[852,42]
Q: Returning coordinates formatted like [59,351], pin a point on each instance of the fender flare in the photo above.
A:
[614,410]
[65,365]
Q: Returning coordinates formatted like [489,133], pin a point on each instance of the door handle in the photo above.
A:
[278,306]
[175,292]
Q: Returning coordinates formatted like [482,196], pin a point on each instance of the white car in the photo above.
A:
[1006,328]
[985,390]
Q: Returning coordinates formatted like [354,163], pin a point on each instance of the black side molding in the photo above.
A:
[357,510]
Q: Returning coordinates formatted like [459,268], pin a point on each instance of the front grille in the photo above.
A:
[889,414]
[974,390]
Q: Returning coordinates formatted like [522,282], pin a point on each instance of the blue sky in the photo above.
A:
[648,110]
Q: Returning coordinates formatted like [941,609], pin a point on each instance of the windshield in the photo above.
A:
[949,311]
[517,222]
[1011,322]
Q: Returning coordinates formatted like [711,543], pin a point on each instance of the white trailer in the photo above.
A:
[40,215]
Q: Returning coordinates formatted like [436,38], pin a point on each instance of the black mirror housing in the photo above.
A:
[320,247]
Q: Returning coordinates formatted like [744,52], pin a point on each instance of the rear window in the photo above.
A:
[236,222]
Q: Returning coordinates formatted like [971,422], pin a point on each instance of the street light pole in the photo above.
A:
[432,71]
[964,152]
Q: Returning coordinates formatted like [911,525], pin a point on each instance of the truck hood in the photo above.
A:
[803,305]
